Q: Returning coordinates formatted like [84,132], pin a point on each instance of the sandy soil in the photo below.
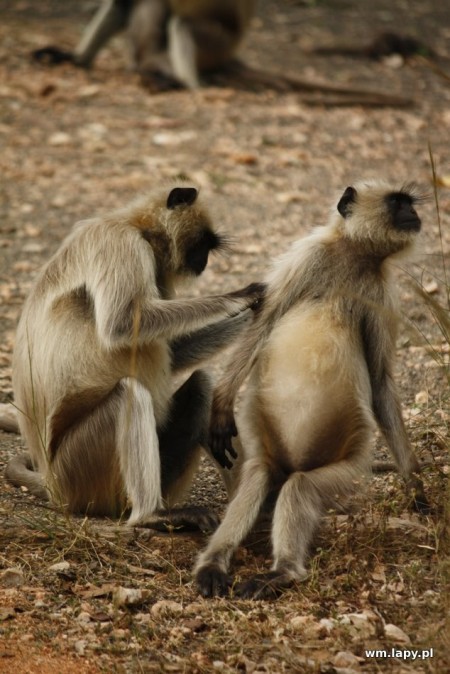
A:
[75,144]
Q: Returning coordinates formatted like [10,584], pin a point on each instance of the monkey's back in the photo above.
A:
[60,360]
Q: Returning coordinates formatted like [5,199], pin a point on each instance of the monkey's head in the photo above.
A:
[381,220]
[190,231]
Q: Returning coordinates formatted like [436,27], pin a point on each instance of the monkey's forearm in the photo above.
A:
[192,349]
[171,318]
[387,410]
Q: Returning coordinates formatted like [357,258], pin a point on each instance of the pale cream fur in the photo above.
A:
[319,357]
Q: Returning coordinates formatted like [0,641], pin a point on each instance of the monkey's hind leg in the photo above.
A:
[211,569]
[180,443]
[95,458]
[300,505]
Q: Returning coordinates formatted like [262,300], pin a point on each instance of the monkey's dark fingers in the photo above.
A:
[220,442]
[187,518]
[218,452]
[262,586]
[257,304]
[212,581]
[421,504]
[52,56]
[255,291]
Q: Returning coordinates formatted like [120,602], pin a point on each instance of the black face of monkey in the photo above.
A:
[197,254]
[403,213]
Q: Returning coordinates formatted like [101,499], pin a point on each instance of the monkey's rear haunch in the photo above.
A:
[320,355]
[99,338]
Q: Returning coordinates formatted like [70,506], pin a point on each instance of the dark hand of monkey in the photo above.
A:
[52,56]
[222,429]
[255,292]
[212,581]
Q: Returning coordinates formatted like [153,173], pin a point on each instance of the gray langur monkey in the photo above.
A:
[320,356]
[175,40]
[99,338]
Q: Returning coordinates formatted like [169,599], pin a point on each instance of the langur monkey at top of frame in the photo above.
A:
[99,338]
[320,356]
[174,40]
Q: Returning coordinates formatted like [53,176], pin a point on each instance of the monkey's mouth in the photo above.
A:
[412,224]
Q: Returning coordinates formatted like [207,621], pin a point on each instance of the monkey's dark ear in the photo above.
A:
[181,196]
[347,198]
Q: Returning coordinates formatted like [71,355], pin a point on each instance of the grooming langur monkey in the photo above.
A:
[320,355]
[99,338]
[175,39]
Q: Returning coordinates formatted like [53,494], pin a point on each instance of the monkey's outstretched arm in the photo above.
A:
[140,322]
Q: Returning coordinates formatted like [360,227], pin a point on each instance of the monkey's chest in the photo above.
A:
[313,390]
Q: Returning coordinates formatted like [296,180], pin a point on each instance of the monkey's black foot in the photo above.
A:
[52,56]
[421,504]
[157,82]
[212,581]
[268,585]
[191,518]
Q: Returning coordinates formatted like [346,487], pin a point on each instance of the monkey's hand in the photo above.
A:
[52,56]
[255,292]
[222,430]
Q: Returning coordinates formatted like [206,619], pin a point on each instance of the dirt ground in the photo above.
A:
[75,144]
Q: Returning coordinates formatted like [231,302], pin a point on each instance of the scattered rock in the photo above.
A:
[12,577]
[60,566]
[59,138]
[165,606]
[395,634]
[124,596]
[347,660]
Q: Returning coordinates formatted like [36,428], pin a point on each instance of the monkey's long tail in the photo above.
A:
[314,92]
[20,472]
[8,418]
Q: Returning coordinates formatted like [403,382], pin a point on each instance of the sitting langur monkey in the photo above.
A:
[98,340]
[172,39]
[320,353]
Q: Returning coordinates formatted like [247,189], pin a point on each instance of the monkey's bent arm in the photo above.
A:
[128,308]
[223,426]
[143,321]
